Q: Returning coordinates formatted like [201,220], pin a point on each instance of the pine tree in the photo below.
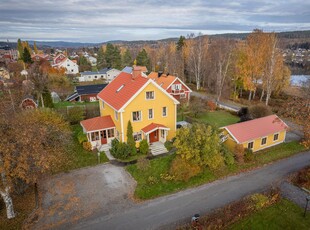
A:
[130,140]
[100,59]
[26,56]
[180,43]
[117,58]
[127,59]
[20,49]
[109,55]
[143,59]
[47,99]
[35,48]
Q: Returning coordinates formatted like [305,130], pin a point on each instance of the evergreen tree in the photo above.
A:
[20,49]
[130,140]
[84,65]
[100,59]
[127,59]
[117,58]
[35,48]
[143,59]
[109,55]
[47,99]
[26,56]
[181,43]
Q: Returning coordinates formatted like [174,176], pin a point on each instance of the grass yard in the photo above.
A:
[218,118]
[282,215]
[81,157]
[63,104]
[150,183]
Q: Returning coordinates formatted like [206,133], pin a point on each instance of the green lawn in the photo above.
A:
[282,215]
[68,103]
[218,118]
[81,157]
[150,184]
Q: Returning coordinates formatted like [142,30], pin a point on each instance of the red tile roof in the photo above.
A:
[257,128]
[121,89]
[164,81]
[153,126]
[98,123]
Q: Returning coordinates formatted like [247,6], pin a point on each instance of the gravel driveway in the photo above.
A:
[70,197]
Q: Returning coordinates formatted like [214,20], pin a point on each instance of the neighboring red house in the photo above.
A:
[59,58]
[40,57]
[173,85]
[28,103]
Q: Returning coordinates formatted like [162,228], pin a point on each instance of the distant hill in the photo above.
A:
[292,35]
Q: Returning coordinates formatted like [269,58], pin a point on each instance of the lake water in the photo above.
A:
[297,80]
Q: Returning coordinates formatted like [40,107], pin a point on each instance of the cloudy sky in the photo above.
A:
[102,20]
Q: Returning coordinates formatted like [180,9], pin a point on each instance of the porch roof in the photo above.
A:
[152,127]
[97,123]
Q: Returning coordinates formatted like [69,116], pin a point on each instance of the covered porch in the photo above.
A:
[99,130]
[155,133]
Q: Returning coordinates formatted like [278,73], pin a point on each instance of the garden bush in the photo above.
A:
[168,145]
[114,146]
[87,146]
[228,156]
[211,105]
[182,170]
[144,147]
[248,155]
[81,137]
[259,201]
[75,114]
[239,153]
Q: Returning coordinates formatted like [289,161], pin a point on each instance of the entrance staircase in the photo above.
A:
[158,148]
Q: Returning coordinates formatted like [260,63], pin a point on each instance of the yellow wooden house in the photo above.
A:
[135,98]
[255,134]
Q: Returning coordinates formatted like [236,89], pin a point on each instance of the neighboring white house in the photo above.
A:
[70,66]
[92,60]
[106,74]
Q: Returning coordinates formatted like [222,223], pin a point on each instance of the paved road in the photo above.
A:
[166,211]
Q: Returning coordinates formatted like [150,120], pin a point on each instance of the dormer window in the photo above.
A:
[149,95]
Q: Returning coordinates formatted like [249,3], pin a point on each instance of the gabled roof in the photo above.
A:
[90,89]
[257,128]
[97,123]
[165,81]
[127,69]
[124,88]
[152,127]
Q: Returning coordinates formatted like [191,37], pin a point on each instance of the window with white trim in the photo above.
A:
[264,141]
[276,137]
[151,114]
[183,95]
[250,145]
[116,115]
[164,111]
[136,116]
[176,87]
[149,95]
[137,136]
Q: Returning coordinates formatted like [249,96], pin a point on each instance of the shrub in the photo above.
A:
[249,155]
[130,140]
[87,146]
[183,170]
[239,153]
[211,105]
[81,137]
[123,151]
[259,201]
[75,114]
[144,147]
[260,110]
[168,145]
[228,156]
[114,146]
[143,164]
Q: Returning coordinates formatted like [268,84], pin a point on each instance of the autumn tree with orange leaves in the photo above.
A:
[32,143]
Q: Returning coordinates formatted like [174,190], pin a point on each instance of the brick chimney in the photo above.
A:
[136,71]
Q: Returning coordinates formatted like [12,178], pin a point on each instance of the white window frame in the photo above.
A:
[149,114]
[183,95]
[116,115]
[152,93]
[277,137]
[137,136]
[162,111]
[252,142]
[261,142]
[140,116]
[102,104]
[176,87]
